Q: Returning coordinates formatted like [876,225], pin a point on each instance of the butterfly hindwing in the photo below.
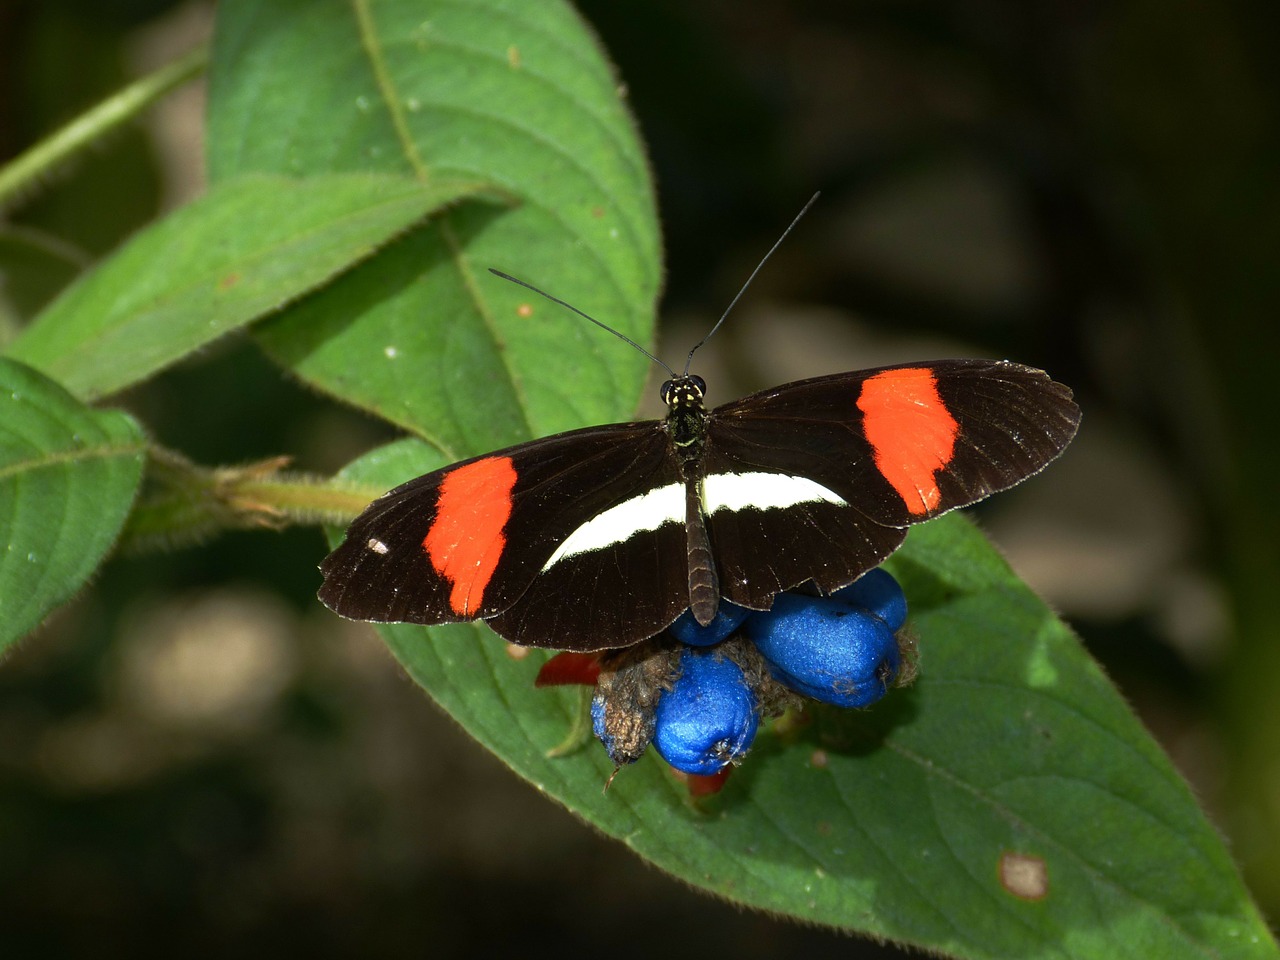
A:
[760,553]
[612,597]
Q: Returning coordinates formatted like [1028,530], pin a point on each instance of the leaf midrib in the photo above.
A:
[64,457]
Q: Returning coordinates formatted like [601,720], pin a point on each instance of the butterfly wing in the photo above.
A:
[547,541]
[857,457]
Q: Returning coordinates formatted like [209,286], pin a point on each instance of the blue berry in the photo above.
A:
[827,648]
[877,591]
[709,718]
[728,618]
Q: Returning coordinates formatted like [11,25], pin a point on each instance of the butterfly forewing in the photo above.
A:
[1012,422]
[467,541]
[904,443]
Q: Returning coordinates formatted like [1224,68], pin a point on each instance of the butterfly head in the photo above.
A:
[684,392]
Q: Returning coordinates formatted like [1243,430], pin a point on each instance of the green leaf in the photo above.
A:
[68,475]
[894,821]
[513,92]
[247,247]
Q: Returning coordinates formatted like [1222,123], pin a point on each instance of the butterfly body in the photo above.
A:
[601,537]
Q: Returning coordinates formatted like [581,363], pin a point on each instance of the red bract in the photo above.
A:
[703,785]
[569,668]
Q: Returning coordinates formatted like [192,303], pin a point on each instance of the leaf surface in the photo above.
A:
[68,476]
[511,92]
[246,248]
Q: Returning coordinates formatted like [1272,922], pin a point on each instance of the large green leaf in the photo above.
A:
[1011,747]
[68,476]
[512,92]
[246,248]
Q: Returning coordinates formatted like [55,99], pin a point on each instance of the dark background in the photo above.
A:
[196,758]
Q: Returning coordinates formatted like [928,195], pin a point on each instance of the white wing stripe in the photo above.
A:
[761,491]
[645,512]
[721,491]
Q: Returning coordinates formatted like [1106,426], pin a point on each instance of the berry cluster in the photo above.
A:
[698,693]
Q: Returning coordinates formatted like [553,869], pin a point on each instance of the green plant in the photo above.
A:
[367,162]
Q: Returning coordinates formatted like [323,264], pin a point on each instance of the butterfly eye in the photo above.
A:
[667,391]
[699,383]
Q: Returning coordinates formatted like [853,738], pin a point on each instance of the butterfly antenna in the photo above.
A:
[587,316]
[763,261]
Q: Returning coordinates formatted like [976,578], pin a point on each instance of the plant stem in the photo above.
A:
[183,503]
[22,175]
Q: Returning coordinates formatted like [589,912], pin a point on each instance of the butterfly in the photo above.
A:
[601,537]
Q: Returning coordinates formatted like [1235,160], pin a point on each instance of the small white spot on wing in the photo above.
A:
[377,546]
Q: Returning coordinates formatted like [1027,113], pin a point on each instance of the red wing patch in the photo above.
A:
[466,539]
[911,432]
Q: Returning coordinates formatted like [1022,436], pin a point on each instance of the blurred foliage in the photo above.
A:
[1103,183]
